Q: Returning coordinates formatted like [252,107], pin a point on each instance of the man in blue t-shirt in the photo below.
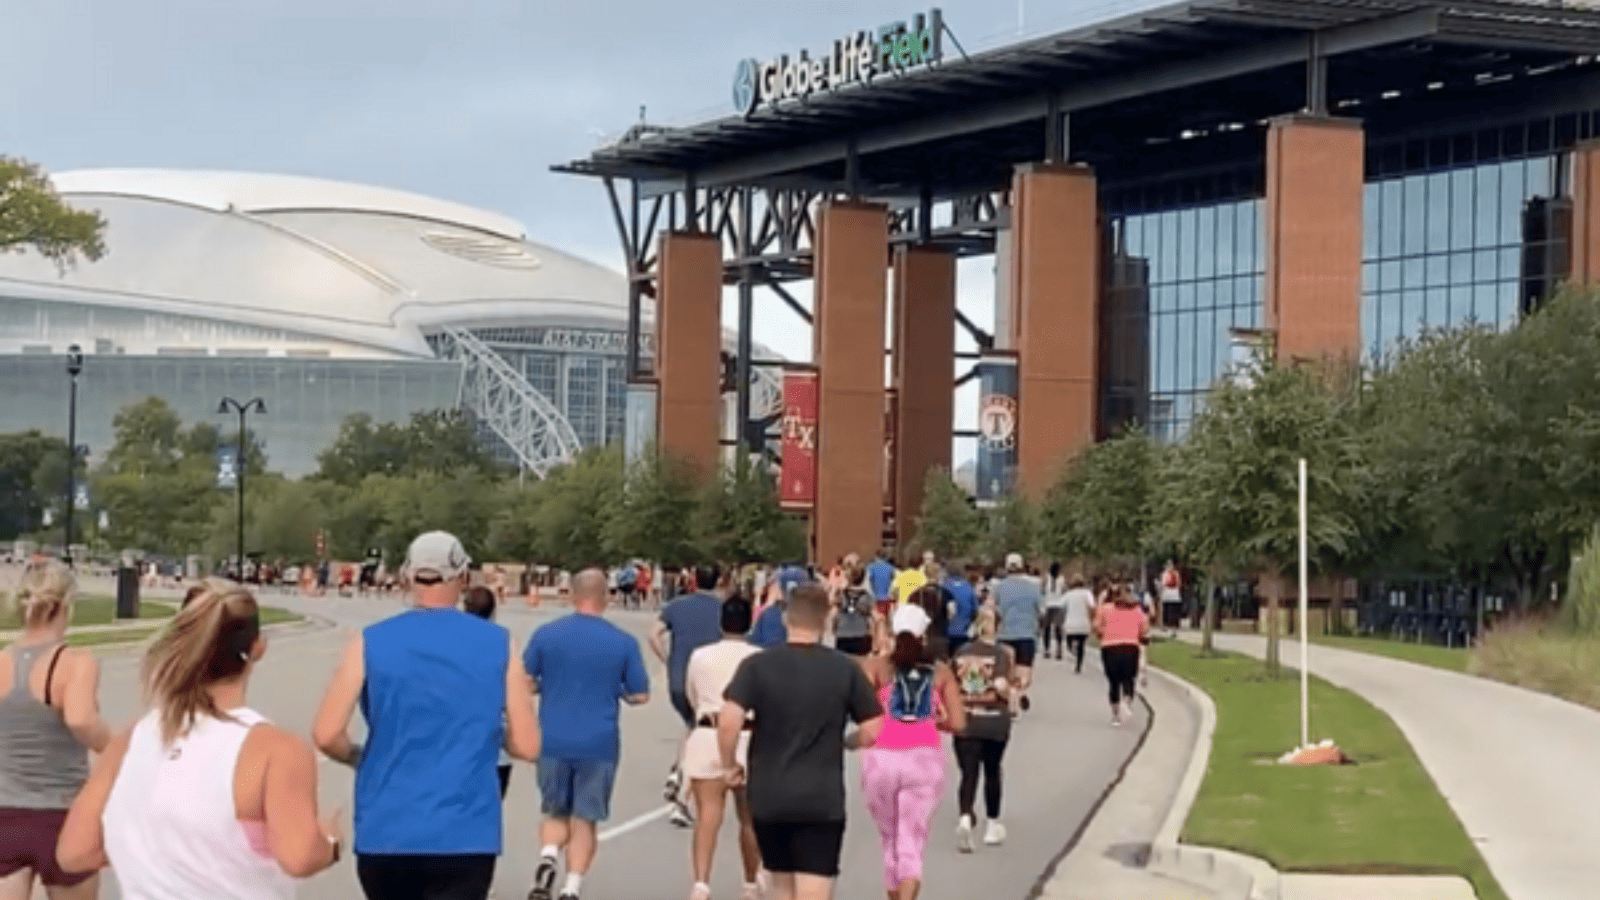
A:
[769,630]
[880,574]
[690,622]
[582,668]
[965,602]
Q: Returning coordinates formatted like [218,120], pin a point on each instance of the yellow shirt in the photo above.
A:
[907,583]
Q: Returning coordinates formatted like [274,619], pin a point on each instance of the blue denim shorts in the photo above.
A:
[576,788]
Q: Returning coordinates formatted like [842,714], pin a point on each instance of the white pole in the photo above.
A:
[1305,631]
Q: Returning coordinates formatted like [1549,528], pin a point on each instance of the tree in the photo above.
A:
[158,482]
[1103,506]
[950,525]
[33,216]
[436,441]
[741,520]
[1011,526]
[574,500]
[656,518]
[33,472]
[1232,495]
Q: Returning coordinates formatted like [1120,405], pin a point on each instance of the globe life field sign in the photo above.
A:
[854,60]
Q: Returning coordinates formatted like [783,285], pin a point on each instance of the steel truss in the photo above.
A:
[768,236]
[532,426]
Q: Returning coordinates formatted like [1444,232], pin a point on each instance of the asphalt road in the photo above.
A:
[1062,756]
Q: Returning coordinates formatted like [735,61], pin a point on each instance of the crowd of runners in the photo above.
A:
[776,677]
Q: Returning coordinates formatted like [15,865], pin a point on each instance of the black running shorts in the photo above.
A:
[805,848]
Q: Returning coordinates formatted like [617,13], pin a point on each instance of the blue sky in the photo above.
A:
[466,100]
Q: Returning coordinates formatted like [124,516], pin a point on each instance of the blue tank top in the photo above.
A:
[434,701]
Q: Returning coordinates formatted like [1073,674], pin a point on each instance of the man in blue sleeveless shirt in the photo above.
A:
[583,667]
[441,693]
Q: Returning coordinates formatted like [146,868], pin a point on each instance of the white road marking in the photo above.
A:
[634,824]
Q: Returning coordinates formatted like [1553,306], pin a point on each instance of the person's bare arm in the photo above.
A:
[301,844]
[955,705]
[730,722]
[81,845]
[522,724]
[658,640]
[80,702]
[331,732]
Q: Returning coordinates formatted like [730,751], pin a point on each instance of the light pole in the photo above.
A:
[74,366]
[230,404]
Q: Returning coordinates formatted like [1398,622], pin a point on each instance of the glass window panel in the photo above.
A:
[1369,326]
[1186,243]
[1436,212]
[1369,277]
[1485,303]
[1460,268]
[1371,219]
[1437,312]
[1510,301]
[1539,176]
[1133,235]
[1205,294]
[1186,350]
[1513,189]
[1167,257]
[1414,219]
[1205,254]
[1393,218]
[1486,266]
[1461,187]
[1389,276]
[1208,340]
[1511,262]
[1486,205]
[1412,271]
[1438,269]
[1460,304]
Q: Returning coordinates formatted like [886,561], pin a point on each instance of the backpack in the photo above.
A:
[911,695]
[858,602]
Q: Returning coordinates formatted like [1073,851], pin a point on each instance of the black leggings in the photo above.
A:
[1122,670]
[1075,645]
[973,755]
[1054,618]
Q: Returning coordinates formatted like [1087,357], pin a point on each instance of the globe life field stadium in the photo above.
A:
[323,299]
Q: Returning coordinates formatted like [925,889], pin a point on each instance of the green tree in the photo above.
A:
[950,525]
[574,500]
[32,479]
[1010,526]
[1231,495]
[742,521]
[33,216]
[435,441]
[158,482]
[656,518]
[1103,506]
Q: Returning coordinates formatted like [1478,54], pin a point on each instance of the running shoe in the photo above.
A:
[1025,703]
[680,815]
[700,891]
[673,785]
[544,879]
[964,835]
[568,897]
[995,834]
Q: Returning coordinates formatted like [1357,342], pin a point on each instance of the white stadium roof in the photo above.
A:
[365,270]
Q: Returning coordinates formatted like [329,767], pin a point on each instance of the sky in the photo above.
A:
[465,100]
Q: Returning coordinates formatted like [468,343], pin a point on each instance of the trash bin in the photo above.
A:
[128,592]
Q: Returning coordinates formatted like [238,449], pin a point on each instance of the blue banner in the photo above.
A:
[997,427]
[227,468]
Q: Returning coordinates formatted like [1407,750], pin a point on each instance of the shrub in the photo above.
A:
[1541,653]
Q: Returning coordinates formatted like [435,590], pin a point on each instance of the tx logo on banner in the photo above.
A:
[796,429]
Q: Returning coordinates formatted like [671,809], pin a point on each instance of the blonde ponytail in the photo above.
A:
[207,642]
[44,593]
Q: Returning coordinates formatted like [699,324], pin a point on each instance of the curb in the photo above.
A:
[1229,875]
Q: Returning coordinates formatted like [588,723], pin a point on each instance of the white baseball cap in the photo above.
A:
[1013,560]
[436,555]
[909,618]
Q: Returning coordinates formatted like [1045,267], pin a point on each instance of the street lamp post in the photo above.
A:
[229,404]
[74,367]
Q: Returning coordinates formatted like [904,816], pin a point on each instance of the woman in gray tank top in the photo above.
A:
[49,721]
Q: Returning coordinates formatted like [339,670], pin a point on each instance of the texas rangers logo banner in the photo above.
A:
[997,427]
[797,488]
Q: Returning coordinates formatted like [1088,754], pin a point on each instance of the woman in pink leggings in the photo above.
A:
[903,773]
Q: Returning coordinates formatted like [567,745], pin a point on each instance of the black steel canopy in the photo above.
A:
[1164,75]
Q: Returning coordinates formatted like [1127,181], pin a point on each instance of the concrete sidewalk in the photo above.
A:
[1517,767]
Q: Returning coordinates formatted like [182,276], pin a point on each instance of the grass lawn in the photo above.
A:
[1455,659]
[1381,816]
[92,609]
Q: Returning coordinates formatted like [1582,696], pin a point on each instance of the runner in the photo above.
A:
[581,666]
[984,671]
[49,721]
[1121,626]
[691,621]
[769,630]
[937,603]
[965,601]
[907,580]
[1171,598]
[427,805]
[1053,627]
[203,797]
[903,771]
[880,574]
[855,620]
[803,696]
[710,669]
[480,601]
[1078,620]
[1016,598]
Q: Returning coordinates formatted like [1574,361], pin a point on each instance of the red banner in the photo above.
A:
[798,485]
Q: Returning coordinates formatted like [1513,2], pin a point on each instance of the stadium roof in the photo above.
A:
[1141,78]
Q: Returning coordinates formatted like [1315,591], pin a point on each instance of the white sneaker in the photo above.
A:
[964,834]
[995,834]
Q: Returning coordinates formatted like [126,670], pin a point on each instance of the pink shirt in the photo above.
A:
[1120,625]
[898,735]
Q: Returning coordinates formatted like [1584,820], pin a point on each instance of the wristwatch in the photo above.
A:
[333,845]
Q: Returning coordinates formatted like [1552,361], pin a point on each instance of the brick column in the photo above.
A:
[1586,213]
[1315,169]
[1056,291]
[924,374]
[688,348]
[851,286]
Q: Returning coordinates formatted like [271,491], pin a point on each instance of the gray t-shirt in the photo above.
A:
[1016,598]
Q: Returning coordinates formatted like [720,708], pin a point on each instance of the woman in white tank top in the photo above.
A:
[203,798]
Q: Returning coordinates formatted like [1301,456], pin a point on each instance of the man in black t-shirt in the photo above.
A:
[802,695]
